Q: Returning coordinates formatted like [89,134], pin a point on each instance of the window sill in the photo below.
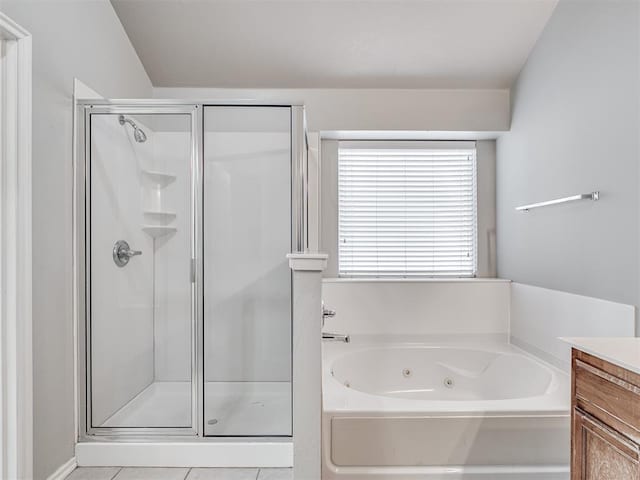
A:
[412,280]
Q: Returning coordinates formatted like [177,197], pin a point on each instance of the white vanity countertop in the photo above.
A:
[621,351]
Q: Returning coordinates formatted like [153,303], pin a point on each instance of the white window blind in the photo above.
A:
[407,209]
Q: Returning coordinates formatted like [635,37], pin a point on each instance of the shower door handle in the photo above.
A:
[122,253]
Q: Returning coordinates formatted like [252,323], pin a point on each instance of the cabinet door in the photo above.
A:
[600,453]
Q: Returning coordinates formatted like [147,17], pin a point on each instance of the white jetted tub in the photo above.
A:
[449,410]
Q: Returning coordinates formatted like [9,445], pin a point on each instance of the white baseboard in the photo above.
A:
[64,470]
[185,454]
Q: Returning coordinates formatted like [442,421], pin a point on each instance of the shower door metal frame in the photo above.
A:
[298,211]
[82,265]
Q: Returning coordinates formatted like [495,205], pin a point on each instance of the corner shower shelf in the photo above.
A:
[158,230]
[161,179]
[162,216]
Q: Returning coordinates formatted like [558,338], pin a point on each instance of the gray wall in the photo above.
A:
[575,128]
[82,39]
[486,192]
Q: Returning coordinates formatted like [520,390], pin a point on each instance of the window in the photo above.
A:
[407,209]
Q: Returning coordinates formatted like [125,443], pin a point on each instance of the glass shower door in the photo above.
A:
[139,250]
[247,281]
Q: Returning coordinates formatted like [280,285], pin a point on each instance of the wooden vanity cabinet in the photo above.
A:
[605,440]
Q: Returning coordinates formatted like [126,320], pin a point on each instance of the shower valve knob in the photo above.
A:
[328,313]
[122,253]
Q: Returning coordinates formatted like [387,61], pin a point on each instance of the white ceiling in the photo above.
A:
[334,43]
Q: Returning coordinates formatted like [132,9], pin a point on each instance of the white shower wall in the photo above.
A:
[172,276]
[247,230]
[121,298]
[141,315]
[238,348]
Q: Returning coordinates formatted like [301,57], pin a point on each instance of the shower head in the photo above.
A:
[138,134]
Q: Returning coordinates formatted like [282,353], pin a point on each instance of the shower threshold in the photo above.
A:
[230,408]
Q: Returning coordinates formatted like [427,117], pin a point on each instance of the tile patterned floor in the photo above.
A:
[131,473]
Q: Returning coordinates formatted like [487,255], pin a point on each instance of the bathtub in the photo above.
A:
[447,410]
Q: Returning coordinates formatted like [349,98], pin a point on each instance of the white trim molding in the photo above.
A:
[307,362]
[185,454]
[308,262]
[64,470]
[16,363]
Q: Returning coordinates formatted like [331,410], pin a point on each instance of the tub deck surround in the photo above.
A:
[418,306]
[539,317]
[463,407]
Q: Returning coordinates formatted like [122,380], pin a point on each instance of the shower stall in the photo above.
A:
[184,216]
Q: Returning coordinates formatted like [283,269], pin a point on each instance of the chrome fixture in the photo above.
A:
[138,134]
[582,196]
[332,337]
[327,313]
[122,253]
[336,337]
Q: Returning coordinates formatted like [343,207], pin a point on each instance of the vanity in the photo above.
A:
[605,408]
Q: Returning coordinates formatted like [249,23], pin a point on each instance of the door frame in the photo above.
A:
[16,360]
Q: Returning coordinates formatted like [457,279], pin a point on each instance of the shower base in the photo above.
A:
[217,452]
[231,408]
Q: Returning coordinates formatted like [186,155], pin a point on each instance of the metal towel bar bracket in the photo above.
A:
[583,196]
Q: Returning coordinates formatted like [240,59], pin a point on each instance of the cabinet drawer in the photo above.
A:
[608,397]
